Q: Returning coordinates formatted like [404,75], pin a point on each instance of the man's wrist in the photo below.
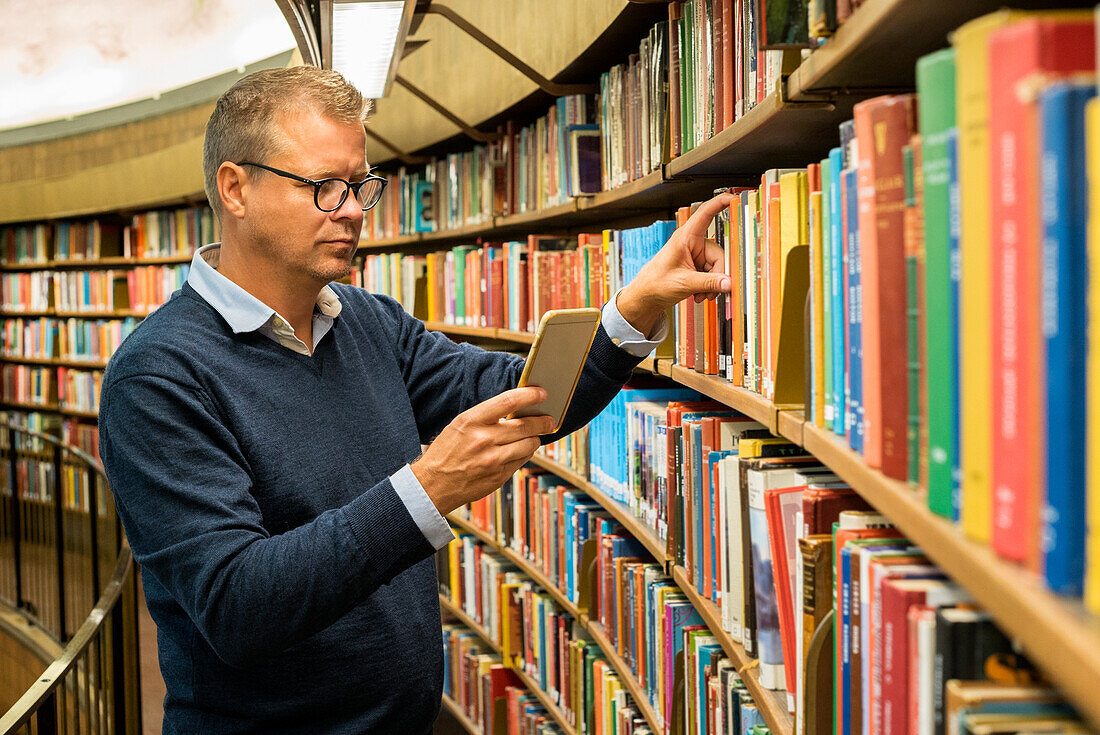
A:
[634,310]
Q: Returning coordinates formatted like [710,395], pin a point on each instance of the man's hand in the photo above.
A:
[477,452]
[688,265]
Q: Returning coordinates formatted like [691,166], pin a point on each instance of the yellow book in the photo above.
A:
[975,369]
[1092,478]
[453,550]
[817,338]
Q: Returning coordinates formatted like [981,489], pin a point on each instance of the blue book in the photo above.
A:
[836,291]
[697,470]
[682,614]
[826,293]
[712,458]
[845,683]
[855,314]
[956,272]
[1065,270]
[750,716]
[703,656]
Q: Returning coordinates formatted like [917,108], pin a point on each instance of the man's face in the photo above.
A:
[282,217]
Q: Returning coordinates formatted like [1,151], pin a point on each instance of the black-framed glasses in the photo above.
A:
[330,194]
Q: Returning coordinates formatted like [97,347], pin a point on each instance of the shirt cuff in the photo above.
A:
[423,511]
[628,338]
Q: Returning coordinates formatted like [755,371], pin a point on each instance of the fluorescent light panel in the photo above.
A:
[364,38]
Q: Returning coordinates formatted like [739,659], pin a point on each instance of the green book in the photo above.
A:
[590,657]
[460,281]
[936,100]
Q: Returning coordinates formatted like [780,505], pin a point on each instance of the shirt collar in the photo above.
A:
[240,309]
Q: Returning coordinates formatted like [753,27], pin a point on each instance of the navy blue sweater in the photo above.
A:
[292,590]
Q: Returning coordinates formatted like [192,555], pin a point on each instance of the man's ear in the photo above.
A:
[233,188]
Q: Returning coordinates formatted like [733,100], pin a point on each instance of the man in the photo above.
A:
[262,434]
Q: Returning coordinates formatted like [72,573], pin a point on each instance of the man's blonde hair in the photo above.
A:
[243,126]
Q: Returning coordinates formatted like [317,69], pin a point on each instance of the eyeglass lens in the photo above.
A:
[332,193]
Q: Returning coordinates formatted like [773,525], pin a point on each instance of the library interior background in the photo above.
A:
[855,493]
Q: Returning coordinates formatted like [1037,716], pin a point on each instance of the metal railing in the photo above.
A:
[59,538]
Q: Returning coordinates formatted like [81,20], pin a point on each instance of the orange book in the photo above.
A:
[685,330]
[884,126]
[735,306]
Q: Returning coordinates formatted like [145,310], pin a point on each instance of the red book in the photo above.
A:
[898,597]
[1022,56]
[884,126]
[822,506]
[782,533]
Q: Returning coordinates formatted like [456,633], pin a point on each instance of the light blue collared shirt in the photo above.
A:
[245,313]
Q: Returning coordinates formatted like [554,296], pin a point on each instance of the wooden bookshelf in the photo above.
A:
[17,406]
[1058,634]
[55,362]
[30,313]
[751,404]
[626,676]
[772,705]
[544,698]
[93,263]
[634,526]
[469,622]
[594,629]
[456,712]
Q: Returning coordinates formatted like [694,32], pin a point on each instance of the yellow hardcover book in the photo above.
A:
[817,337]
[1092,478]
[976,410]
[453,550]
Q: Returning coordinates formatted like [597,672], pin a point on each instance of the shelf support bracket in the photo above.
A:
[466,128]
[406,158]
[552,88]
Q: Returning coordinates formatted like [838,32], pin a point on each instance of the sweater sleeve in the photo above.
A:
[182,488]
[444,378]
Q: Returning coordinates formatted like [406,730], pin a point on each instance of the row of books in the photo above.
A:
[529,168]
[511,285]
[536,636]
[897,237]
[27,384]
[692,76]
[640,609]
[159,233]
[74,339]
[35,477]
[476,680]
[78,390]
[141,288]
[754,525]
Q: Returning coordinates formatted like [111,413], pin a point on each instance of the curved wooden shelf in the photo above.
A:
[594,629]
[626,676]
[481,631]
[544,698]
[29,313]
[18,406]
[772,705]
[456,712]
[94,263]
[1058,634]
[55,362]
[635,526]
[78,413]
[751,404]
